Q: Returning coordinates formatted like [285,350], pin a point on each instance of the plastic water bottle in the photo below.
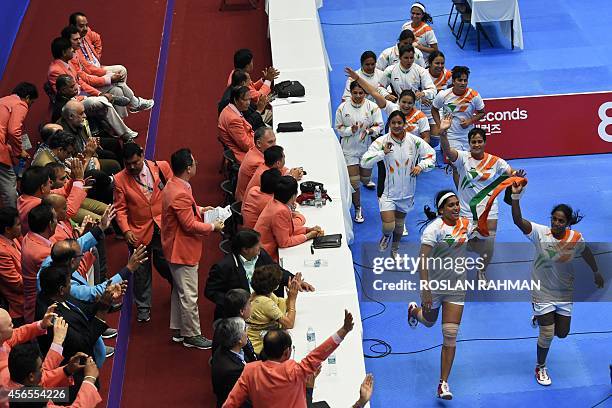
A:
[332,370]
[318,197]
[315,263]
[311,339]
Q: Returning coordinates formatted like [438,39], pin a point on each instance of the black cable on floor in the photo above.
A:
[602,401]
[388,349]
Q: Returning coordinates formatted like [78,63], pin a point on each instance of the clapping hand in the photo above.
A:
[348,324]
[107,217]
[139,256]
[50,315]
[77,171]
[60,328]
[86,225]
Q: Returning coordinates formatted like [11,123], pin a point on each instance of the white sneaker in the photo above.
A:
[412,321]
[359,215]
[444,391]
[541,375]
[405,231]
[383,244]
[371,185]
[143,104]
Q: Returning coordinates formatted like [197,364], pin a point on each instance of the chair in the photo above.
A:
[248,5]
[226,246]
[236,215]
[229,190]
[460,6]
[466,19]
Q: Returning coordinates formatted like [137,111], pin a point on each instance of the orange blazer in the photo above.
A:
[12,114]
[252,160]
[273,384]
[252,206]
[182,225]
[96,42]
[275,224]
[59,67]
[235,131]
[11,282]
[23,334]
[136,212]
[256,89]
[89,73]
[34,250]
[74,194]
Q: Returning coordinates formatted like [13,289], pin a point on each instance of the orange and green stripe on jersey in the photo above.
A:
[441,81]
[498,185]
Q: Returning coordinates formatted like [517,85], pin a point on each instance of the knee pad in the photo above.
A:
[365,180]
[355,182]
[449,332]
[388,227]
[546,335]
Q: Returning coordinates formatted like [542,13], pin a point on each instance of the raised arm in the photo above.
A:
[523,224]
[354,76]
[445,124]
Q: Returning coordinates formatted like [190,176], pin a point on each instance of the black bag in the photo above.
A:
[286,89]
[327,241]
[290,127]
[309,186]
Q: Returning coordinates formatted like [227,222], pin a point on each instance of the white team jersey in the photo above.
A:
[390,56]
[347,114]
[552,264]
[461,107]
[416,121]
[447,241]
[477,180]
[415,78]
[424,35]
[441,83]
[405,155]
[373,79]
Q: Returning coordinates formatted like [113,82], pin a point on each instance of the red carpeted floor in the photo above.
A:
[203,40]
[160,373]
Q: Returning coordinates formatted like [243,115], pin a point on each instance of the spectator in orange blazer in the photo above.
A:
[275,223]
[243,59]
[90,37]
[36,183]
[235,132]
[280,381]
[182,232]
[10,337]
[258,197]
[274,158]
[138,192]
[13,110]
[11,282]
[264,138]
[62,52]
[36,246]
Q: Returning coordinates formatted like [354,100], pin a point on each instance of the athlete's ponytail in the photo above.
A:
[573,217]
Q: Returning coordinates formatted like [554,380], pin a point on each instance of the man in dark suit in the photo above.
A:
[235,270]
[236,303]
[229,360]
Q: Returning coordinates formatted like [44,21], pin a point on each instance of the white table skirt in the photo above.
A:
[504,11]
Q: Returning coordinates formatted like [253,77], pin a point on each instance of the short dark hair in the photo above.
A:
[273,154]
[62,81]
[40,217]
[61,140]
[238,92]
[68,31]
[269,180]
[58,46]
[405,49]
[286,188]
[130,149]
[22,361]
[477,131]
[8,218]
[275,342]
[53,167]
[246,238]
[366,55]
[73,17]
[242,58]
[266,279]
[406,34]
[238,77]
[33,178]
[25,89]
[459,70]
[52,278]
[180,160]
[234,301]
